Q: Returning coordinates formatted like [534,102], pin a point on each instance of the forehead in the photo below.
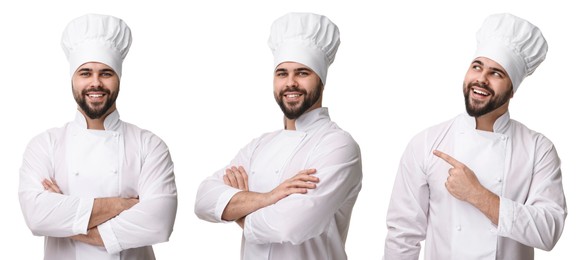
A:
[290,65]
[97,66]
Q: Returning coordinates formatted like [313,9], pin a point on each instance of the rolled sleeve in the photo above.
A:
[110,241]
[82,216]
[222,202]
[506,216]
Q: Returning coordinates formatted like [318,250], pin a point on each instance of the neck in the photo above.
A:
[289,124]
[98,123]
[487,121]
[95,124]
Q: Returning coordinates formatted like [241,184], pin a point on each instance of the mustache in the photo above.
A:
[294,89]
[100,89]
[483,86]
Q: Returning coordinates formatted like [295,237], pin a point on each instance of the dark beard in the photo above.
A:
[309,101]
[493,104]
[88,110]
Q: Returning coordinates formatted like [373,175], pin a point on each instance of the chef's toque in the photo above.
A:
[309,39]
[96,38]
[514,43]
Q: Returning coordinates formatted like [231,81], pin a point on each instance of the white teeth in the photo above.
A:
[480,92]
[292,95]
[95,95]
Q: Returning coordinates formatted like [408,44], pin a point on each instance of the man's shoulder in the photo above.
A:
[53,132]
[439,129]
[527,135]
[144,135]
[130,128]
[48,138]
[337,134]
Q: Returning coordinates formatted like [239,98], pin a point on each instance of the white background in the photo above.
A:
[199,75]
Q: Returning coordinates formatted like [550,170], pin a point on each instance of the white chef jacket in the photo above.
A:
[120,161]
[519,165]
[300,226]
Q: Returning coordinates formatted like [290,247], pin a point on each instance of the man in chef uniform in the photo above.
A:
[292,191]
[481,185]
[98,187]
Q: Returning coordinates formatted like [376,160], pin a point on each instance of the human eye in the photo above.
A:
[106,73]
[498,74]
[303,73]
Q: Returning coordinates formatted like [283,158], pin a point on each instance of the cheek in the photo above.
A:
[115,86]
[311,83]
[467,79]
[78,85]
[279,84]
[502,86]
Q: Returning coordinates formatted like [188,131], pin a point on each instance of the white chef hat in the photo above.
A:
[96,38]
[514,43]
[306,38]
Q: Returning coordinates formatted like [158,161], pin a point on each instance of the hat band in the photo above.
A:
[298,51]
[513,64]
[95,51]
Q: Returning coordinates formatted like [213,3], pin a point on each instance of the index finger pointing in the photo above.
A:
[447,158]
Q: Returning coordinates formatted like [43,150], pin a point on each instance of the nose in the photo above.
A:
[96,80]
[291,81]
[482,79]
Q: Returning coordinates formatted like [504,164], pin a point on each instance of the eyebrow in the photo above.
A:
[298,69]
[303,69]
[500,71]
[101,70]
[107,70]
[478,61]
[491,68]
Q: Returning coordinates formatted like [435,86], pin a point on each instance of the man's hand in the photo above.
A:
[93,237]
[51,186]
[299,183]
[462,182]
[464,185]
[236,177]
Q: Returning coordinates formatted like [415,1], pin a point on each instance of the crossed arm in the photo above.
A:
[293,210]
[103,210]
[246,202]
[122,224]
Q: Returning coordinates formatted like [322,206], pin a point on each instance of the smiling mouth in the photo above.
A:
[292,95]
[95,95]
[480,92]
